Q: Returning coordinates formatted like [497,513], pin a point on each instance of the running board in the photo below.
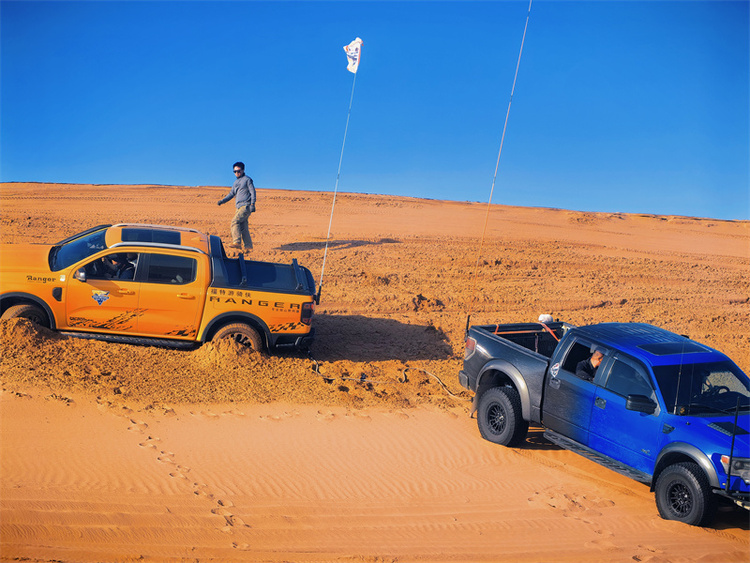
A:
[596,457]
[135,340]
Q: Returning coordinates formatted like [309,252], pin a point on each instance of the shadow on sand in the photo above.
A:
[340,244]
[535,440]
[728,516]
[363,339]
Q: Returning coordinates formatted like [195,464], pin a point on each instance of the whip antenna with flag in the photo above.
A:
[353,54]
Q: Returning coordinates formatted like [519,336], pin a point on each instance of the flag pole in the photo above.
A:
[354,63]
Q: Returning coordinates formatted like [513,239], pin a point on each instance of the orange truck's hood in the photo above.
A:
[24,257]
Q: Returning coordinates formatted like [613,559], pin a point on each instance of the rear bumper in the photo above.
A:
[294,341]
[463,379]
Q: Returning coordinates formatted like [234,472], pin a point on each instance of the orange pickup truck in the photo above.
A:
[152,284]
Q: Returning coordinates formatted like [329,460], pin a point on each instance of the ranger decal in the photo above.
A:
[42,279]
[237,300]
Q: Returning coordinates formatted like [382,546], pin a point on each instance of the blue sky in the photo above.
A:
[620,106]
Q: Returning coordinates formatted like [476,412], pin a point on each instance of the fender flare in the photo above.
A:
[21,297]
[684,449]
[516,379]
[238,316]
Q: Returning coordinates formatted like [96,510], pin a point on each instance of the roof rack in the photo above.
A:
[158,245]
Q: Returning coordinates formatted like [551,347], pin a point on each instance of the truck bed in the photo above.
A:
[521,351]
[531,336]
[251,274]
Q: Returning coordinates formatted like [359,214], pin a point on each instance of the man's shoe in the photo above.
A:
[238,246]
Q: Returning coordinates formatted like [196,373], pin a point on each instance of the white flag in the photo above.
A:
[353,53]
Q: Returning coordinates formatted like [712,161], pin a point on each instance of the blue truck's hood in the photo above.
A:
[713,434]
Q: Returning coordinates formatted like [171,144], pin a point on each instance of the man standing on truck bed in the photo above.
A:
[243,191]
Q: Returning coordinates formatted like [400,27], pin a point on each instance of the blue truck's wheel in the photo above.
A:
[684,494]
[499,417]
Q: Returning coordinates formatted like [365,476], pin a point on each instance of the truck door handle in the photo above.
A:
[123,291]
[601,403]
[186,296]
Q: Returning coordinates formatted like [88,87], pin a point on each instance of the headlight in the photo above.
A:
[740,467]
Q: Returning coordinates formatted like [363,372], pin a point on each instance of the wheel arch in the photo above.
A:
[499,373]
[238,317]
[17,298]
[678,452]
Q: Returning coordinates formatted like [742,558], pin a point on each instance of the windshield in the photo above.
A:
[77,249]
[708,388]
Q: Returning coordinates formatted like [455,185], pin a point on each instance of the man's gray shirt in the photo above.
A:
[243,190]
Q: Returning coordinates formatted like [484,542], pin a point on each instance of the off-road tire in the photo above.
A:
[499,417]
[684,494]
[242,333]
[27,311]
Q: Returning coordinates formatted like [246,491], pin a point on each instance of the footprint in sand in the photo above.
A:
[205,414]
[150,442]
[67,400]
[279,417]
[581,507]
[602,544]
[180,473]
[231,520]
[202,490]
[326,416]
[652,555]
[241,546]
[137,426]
[166,457]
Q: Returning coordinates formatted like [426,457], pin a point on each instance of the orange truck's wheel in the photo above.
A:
[242,333]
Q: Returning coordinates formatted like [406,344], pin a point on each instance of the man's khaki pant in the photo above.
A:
[240,230]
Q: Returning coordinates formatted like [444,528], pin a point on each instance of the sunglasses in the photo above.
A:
[235,171]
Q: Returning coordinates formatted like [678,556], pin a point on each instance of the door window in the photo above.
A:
[117,266]
[177,270]
[577,353]
[578,360]
[625,380]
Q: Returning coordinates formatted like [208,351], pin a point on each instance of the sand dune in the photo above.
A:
[90,480]
[111,452]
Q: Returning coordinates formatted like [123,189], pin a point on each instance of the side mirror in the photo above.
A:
[640,403]
[80,275]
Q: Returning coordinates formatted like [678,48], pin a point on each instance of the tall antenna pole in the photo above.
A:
[497,165]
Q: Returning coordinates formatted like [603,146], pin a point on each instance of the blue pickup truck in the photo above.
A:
[658,407]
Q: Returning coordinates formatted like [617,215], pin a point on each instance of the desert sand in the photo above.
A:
[366,451]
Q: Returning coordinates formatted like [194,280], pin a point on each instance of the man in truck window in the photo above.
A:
[586,369]
[243,191]
[123,269]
